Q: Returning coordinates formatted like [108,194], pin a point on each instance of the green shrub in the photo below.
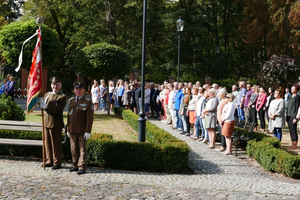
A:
[9,110]
[106,152]
[291,166]
[274,142]
[259,136]
[161,152]
[267,152]
[166,152]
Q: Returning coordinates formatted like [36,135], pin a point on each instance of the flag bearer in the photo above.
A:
[54,104]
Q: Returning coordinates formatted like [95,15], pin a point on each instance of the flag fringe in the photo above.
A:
[32,98]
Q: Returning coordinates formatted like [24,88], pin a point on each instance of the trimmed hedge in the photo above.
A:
[161,152]
[267,152]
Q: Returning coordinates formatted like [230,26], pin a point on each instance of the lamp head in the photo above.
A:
[179,25]
[39,21]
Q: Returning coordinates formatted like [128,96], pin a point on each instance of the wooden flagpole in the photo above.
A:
[39,21]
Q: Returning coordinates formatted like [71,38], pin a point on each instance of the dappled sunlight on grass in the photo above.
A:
[103,123]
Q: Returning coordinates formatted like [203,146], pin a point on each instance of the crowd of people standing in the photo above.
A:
[181,105]
[271,105]
[186,105]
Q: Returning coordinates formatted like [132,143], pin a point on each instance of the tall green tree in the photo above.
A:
[14,34]
[104,60]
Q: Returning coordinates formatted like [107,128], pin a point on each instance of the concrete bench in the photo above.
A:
[20,126]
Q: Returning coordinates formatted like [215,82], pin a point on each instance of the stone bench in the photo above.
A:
[20,126]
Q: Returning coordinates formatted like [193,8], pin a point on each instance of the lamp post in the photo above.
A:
[142,120]
[179,26]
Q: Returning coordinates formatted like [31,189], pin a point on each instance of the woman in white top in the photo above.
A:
[95,94]
[228,122]
[161,99]
[170,104]
[111,90]
[169,88]
[191,111]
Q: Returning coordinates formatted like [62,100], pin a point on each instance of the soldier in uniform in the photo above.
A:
[80,121]
[54,104]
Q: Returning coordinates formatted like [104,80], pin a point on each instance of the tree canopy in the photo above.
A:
[104,60]
[14,34]
[9,11]
[280,70]
[221,39]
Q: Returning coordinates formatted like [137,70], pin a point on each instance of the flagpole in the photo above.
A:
[39,21]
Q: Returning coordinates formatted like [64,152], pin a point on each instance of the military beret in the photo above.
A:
[56,79]
[79,84]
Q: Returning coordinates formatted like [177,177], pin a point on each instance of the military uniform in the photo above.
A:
[80,121]
[53,123]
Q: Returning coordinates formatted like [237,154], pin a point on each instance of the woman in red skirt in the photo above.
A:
[227,119]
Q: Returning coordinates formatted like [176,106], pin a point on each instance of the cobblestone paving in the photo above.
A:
[216,177]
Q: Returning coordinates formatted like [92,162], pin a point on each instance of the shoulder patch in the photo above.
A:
[87,98]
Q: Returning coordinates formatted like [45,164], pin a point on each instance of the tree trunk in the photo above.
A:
[110,21]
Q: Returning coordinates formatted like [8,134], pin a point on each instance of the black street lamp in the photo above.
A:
[179,26]
[142,120]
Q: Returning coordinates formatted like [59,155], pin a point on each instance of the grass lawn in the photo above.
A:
[103,123]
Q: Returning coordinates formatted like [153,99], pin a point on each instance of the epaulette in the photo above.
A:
[62,94]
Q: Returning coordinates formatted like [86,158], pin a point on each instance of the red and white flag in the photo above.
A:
[34,86]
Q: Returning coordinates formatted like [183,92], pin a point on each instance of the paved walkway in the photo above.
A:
[216,177]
